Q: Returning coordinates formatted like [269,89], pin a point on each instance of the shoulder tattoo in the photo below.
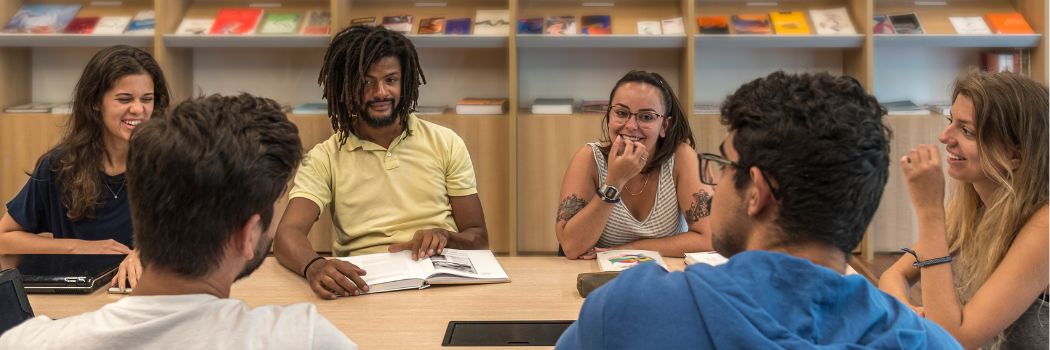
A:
[700,208]
[569,207]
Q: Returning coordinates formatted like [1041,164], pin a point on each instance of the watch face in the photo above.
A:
[610,192]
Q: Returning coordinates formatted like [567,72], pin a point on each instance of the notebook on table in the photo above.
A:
[67,273]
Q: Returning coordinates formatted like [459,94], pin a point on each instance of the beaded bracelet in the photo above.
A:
[925,263]
[311,263]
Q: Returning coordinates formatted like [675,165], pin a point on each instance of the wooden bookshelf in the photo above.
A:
[520,158]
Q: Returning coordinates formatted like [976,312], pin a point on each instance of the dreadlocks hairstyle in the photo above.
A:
[346,62]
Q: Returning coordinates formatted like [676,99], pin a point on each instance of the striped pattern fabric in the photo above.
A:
[665,219]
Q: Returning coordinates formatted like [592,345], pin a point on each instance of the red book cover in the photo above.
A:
[1008,23]
[236,21]
[81,25]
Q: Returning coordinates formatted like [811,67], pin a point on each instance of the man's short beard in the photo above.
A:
[381,122]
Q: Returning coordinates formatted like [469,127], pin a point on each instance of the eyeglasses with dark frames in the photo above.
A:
[712,166]
[643,117]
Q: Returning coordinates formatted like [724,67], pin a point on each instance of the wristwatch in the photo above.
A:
[609,194]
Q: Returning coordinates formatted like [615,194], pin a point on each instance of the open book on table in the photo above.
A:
[396,271]
[619,260]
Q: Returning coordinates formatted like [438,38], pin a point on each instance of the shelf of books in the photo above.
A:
[958,40]
[231,41]
[711,41]
[74,40]
[601,41]
[459,41]
[95,24]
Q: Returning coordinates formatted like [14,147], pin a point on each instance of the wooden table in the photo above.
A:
[541,288]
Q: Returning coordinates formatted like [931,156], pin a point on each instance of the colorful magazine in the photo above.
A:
[458,26]
[530,25]
[882,25]
[560,25]
[596,25]
[363,21]
[318,22]
[236,21]
[41,19]
[400,24]
[81,25]
[280,23]
[433,25]
[142,24]
[752,24]
[713,24]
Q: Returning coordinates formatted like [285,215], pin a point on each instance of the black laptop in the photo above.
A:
[67,273]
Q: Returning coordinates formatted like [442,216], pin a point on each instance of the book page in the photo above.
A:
[619,260]
[387,267]
[475,264]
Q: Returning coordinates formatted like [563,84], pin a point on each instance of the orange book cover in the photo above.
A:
[1008,23]
[713,24]
[236,21]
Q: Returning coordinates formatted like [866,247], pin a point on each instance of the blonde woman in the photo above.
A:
[992,292]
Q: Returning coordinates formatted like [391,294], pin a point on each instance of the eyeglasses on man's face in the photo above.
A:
[646,117]
[712,166]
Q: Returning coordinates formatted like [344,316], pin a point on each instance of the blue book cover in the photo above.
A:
[143,23]
[41,19]
[530,25]
[458,26]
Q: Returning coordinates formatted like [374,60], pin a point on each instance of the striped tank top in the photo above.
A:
[664,220]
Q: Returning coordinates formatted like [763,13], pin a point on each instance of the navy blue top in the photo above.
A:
[39,208]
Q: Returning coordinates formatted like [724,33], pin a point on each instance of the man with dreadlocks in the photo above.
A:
[393,181]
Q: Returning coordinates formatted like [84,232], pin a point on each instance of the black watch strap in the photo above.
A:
[925,263]
[606,198]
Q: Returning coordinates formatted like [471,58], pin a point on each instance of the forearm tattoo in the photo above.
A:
[700,208]
[569,207]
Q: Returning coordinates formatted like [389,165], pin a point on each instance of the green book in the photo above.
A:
[280,23]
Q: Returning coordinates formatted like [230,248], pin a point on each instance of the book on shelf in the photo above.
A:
[363,21]
[492,22]
[112,25]
[711,258]
[195,26]
[472,105]
[649,28]
[280,23]
[942,108]
[596,25]
[673,26]
[318,22]
[560,25]
[143,23]
[432,25]
[789,22]
[311,108]
[81,25]
[713,24]
[834,21]
[594,106]
[1007,60]
[530,25]
[236,21]
[969,25]
[431,110]
[1008,23]
[397,271]
[401,24]
[755,23]
[552,106]
[882,25]
[904,107]
[622,259]
[907,23]
[41,19]
[34,107]
[458,26]
[707,108]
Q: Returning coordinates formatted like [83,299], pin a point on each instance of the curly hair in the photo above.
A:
[821,140]
[346,62]
[199,173]
[678,130]
[77,159]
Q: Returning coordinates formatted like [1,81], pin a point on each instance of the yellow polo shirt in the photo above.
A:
[380,196]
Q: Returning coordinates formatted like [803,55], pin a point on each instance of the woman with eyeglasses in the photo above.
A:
[639,187]
[78,192]
[982,261]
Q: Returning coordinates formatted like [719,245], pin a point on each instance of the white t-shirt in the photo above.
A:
[194,321]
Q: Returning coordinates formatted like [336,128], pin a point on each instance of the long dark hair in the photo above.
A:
[346,63]
[77,159]
[678,130]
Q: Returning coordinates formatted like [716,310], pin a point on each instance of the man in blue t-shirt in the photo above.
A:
[801,173]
